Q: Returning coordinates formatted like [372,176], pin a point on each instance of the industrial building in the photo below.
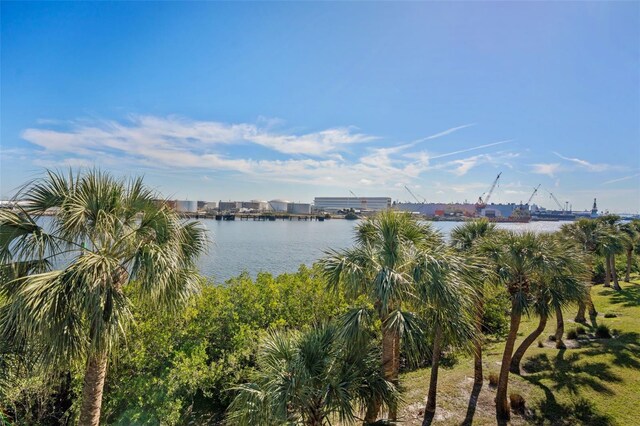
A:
[356,203]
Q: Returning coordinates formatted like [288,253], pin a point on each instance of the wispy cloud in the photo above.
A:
[549,169]
[591,167]
[336,156]
[462,151]
[621,179]
[163,133]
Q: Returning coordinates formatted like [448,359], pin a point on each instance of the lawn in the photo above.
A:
[592,382]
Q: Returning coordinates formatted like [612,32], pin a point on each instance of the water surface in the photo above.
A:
[282,246]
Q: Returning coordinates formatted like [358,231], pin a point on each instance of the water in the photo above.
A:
[282,246]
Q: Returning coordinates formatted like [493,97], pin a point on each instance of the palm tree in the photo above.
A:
[561,286]
[612,242]
[446,293]
[465,238]
[631,231]
[587,234]
[520,260]
[70,270]
[309,378]
[379,267]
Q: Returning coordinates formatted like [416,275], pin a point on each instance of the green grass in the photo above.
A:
[592,382]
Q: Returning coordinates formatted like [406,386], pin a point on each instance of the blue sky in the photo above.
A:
[225,101]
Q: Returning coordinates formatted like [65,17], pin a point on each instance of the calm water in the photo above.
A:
[282,246]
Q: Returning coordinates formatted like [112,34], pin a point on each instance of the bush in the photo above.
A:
[581,330]
[552,338]
[603,332]
[572,335]
[517,403]
[540,344]
[495,320]
[493,379]
[610,315]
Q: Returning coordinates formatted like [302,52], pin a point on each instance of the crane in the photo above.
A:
[483,203]
[356,197]
[533,195]
[556,200]
[414,196]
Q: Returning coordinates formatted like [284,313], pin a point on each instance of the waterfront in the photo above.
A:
[282,246]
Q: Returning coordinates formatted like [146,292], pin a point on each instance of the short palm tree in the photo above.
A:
[587,234]
[69,270]
[466,239]
[519,261]
[311,378]
[612,242]
[551,292]
[631,230]
[379,268]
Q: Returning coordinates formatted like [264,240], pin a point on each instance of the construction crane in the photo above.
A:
[414,196]
[483,203]
[556,200]
[533,195]
[354,196]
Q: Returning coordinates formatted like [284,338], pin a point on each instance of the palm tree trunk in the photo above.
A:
[502,405]
[628,272]
[519,353]
[435,364]
[614,273]
[477,355]
[607,271]
[388,366]
[559,328]
[592,307]
[92,390]
[582,309]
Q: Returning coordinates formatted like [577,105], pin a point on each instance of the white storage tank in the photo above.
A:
[278,205]
[299,208]
[185,206]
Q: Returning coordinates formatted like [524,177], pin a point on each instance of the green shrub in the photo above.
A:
[540,344]
[572,335]
[610,315]
[603,332]
[581,330]
[552,338]
[495,320]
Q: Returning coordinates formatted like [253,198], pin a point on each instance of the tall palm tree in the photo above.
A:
[70,270]
[587,234]
[520,260]
[631,230]
[466,238]
[550,292]
[379,267]
[309,378]
[446,292]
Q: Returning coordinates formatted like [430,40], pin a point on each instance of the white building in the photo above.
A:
[356,203]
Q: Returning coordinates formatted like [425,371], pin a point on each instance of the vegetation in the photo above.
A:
[404,306]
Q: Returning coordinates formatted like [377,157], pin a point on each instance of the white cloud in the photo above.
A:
[549,169]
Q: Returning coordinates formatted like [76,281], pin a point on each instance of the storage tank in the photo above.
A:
[185,206]
[299,208]
[279,205]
